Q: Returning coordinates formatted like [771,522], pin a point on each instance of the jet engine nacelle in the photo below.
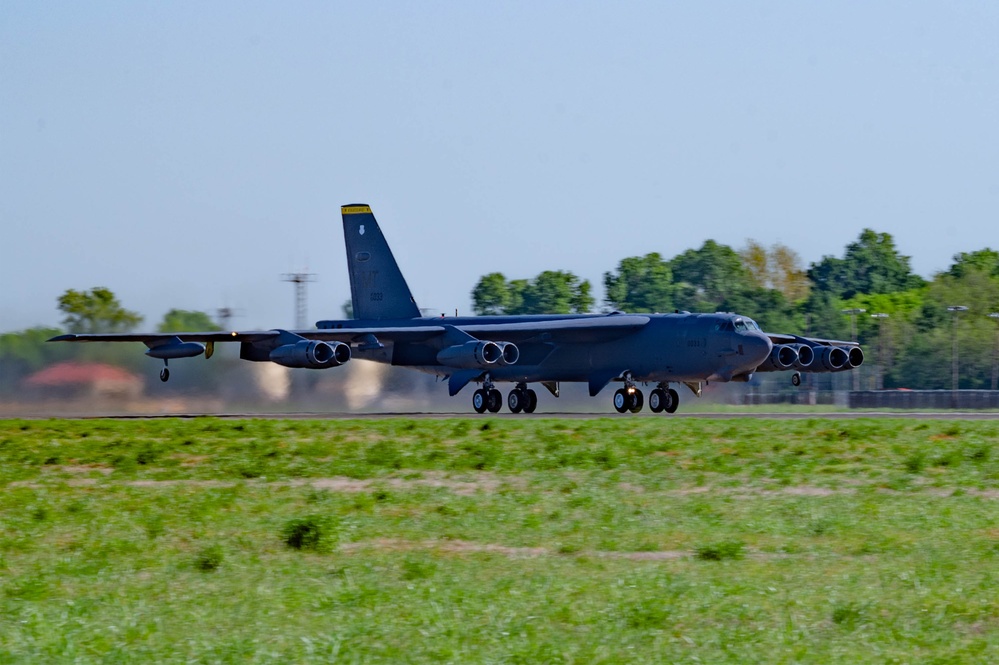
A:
[782,357]
[806,358]
[855,357]
[473,354]
[830,359]
[311,354]
[511,354]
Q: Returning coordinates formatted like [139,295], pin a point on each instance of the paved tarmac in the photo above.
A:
[726,415]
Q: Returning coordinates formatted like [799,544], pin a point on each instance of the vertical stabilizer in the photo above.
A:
[377,288]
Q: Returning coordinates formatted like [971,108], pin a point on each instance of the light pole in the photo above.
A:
[879,382]
[853,328]
[955,310]
[995,352]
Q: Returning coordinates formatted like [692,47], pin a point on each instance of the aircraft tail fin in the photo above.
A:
[377,288]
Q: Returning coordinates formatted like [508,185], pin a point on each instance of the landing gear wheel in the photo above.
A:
[672,401]
[531,403]
[637,401]
[621,401]
[479,401]
[165,374]
[494,401]
[515,400]
[657,400]
[796,379]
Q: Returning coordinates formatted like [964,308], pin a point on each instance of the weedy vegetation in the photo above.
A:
[499,540]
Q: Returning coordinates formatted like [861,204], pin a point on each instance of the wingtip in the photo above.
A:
[62,338]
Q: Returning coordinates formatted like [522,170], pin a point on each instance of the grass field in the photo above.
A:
[500,540]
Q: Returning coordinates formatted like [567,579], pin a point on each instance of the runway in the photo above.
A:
[726,415]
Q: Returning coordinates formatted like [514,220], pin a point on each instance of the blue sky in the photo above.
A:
[187,154]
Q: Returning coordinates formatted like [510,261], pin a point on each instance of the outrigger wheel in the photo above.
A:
[165,372]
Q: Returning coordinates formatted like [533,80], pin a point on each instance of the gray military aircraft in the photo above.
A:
[632,349]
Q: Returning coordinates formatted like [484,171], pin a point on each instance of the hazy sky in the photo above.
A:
[187,154]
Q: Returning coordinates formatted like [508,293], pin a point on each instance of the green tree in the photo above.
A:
[551,292]
[96,311]
[711,274]
[984,260]
[870,265]
[925,357]
[557,292]
[491,295]
[640,284]
[182,320]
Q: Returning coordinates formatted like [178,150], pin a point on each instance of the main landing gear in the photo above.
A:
[630,398]
[488,398]
[664,398]
[523,399]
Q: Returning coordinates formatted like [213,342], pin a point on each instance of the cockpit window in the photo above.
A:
[753,325]
[740,325]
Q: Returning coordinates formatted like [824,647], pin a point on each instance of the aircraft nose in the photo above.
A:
[756,348]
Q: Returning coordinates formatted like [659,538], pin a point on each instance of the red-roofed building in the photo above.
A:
[76,379]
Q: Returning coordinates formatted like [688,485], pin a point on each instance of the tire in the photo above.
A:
[479,401]
[657,400]
[515,401]
[494,401]
[532,401]
[796,379]
[637,401]
[672,400]
[164,375]
[621,401]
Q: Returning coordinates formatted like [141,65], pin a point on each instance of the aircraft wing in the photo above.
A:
[778,338]
[596,329]
[568,331]
[415,334]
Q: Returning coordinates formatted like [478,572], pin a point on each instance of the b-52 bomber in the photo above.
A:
[630,349]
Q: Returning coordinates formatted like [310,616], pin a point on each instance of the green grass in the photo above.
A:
[499,540]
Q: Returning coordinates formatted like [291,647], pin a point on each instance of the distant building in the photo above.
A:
[83,379]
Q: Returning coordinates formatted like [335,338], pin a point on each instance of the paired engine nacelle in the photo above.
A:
[805,358]
[311,354]
[479,354]
[782,357]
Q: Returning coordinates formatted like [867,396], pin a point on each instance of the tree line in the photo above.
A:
[911,337]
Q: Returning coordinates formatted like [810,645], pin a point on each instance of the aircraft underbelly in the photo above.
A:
[655,354]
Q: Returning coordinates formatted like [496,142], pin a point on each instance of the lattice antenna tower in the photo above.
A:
[300,279]
[223,315]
